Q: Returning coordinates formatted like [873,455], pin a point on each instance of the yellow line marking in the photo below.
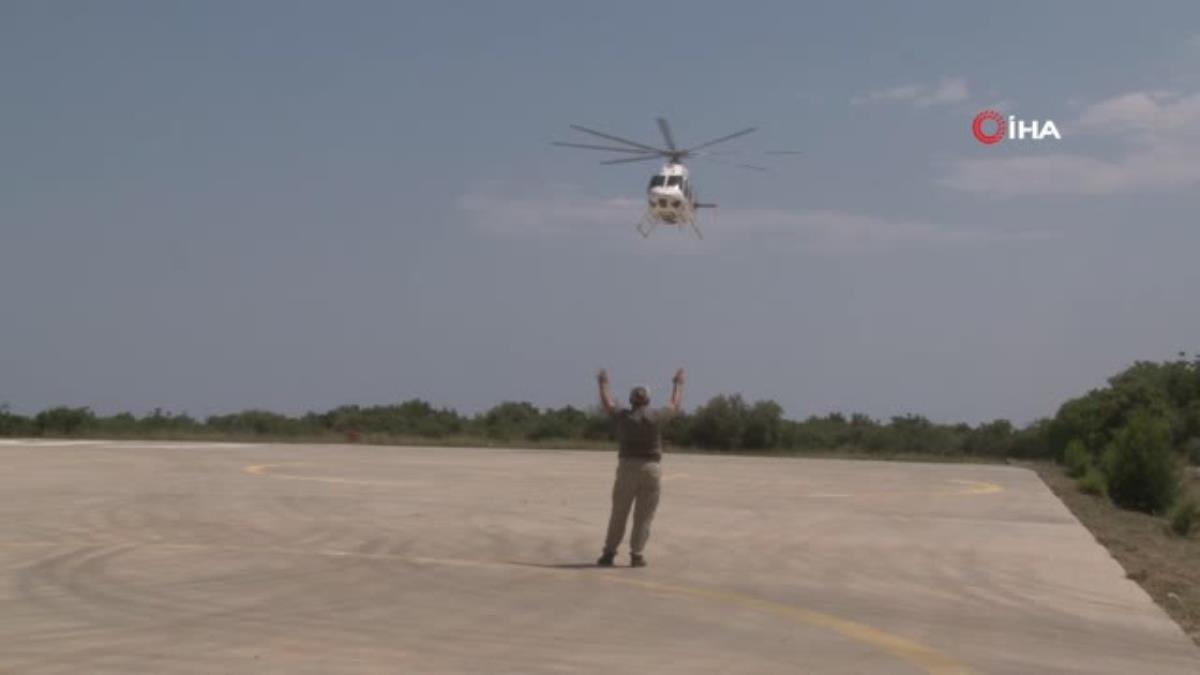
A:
[971,487]
[931,660]
[265,470]
[926,658]
[977,487]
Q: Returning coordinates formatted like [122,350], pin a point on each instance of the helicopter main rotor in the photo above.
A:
[641,152]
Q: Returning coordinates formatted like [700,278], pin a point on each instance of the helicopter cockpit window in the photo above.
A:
[657,181]
[675,181]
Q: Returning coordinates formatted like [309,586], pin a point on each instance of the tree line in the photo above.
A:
[726,423]
[1123,437]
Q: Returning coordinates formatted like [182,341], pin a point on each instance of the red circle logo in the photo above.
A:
[981,135]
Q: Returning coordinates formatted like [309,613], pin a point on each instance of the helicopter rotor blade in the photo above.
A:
[596,147]
[712,157]
[626,160]
[722,139]
[666,133]
[618,139]
[743,153]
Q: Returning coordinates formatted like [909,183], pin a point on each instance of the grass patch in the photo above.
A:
[1185,517]
[1077,459]
[1092,482]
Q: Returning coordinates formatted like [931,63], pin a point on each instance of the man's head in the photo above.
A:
[639,396]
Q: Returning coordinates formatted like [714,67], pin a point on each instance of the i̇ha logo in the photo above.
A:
[990,127]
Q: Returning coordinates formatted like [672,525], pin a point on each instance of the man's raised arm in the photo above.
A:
[605,397]
[677,390]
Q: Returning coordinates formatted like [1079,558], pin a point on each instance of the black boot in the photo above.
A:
[606,559]
[636,560]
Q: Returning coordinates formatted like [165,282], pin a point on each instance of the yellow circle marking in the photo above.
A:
[268,471]
[929,659]
[926,658]
[969,487]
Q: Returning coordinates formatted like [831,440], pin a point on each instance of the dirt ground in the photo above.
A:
[1167,566]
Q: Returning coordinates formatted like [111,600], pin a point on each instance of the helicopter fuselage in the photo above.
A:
[669,199]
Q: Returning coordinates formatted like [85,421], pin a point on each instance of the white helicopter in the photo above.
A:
[670,197]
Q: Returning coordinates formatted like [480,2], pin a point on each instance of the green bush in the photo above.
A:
[1092,483]
[763,426]
[720,423]
[509,420]
[1142,472]
[1077,459]
[1032,441]
[253,422]
[12,424]
[63,421]
[995,438]
[1170,390]
[1185,517]
[1192,449]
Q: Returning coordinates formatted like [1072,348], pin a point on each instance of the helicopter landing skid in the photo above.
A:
[647,224]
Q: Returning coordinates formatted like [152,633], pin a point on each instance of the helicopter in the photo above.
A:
[670,199]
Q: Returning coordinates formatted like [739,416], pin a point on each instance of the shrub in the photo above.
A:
[12,424]
[720,423]
[1077,459]
[994,438]
[1141,468]
[763,424]
[915,433]
[259,422]
[1032,441]
[509,420]
[63,421]
[1192,449]
[677,432]
[1092,483]
[1185,517]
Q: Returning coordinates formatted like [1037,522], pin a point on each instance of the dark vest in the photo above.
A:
[639,433]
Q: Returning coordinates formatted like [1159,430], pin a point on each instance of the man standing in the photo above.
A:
[639,434]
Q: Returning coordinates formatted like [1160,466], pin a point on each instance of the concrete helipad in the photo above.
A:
[204,558]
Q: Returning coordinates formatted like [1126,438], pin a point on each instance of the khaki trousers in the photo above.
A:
[638,484]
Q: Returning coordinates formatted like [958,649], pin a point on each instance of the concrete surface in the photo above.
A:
[204,558]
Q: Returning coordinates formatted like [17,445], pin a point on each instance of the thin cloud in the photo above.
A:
[556,210]
[835,231]
[948,91]
[567,212]
[1159,132]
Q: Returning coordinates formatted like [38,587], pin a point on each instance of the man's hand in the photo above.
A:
[677,390]
[606,400]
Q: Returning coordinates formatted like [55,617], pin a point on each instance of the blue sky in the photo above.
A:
[213,206]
